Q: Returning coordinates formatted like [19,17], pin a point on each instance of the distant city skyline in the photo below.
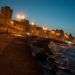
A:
[53,13]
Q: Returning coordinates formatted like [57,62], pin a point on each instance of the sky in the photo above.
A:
[52,13]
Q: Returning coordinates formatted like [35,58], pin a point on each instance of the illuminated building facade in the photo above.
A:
[22,26]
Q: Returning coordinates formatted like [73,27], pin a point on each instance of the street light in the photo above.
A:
[45,28]
[23,17]
[32,23]
[20,16]
[12,22]
[53,32]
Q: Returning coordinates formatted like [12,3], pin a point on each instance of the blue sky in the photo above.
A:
[54,13]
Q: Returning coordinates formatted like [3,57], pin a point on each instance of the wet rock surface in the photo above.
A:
[32,56]
[16,59]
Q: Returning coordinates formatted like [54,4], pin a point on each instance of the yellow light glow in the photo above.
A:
[28,33]
[20,16]
[45,28]
[57,34]
[32,23]
[11,22]
[53,32]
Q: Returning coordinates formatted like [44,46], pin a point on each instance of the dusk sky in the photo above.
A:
[53,13]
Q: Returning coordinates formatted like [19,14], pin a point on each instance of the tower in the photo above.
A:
[6,12]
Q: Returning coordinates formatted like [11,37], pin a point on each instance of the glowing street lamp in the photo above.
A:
[45,28]
[32,23]
[20,16]
[23,17]
[53,32]
[12,22]
[28,33]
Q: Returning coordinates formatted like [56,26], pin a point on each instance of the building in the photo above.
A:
[5,17]
[6,12]
[12,26]
[57,34]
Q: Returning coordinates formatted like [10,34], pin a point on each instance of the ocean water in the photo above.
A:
[70,54]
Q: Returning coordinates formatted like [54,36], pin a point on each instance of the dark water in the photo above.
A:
[64,60]
[70,54]
[67,61]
